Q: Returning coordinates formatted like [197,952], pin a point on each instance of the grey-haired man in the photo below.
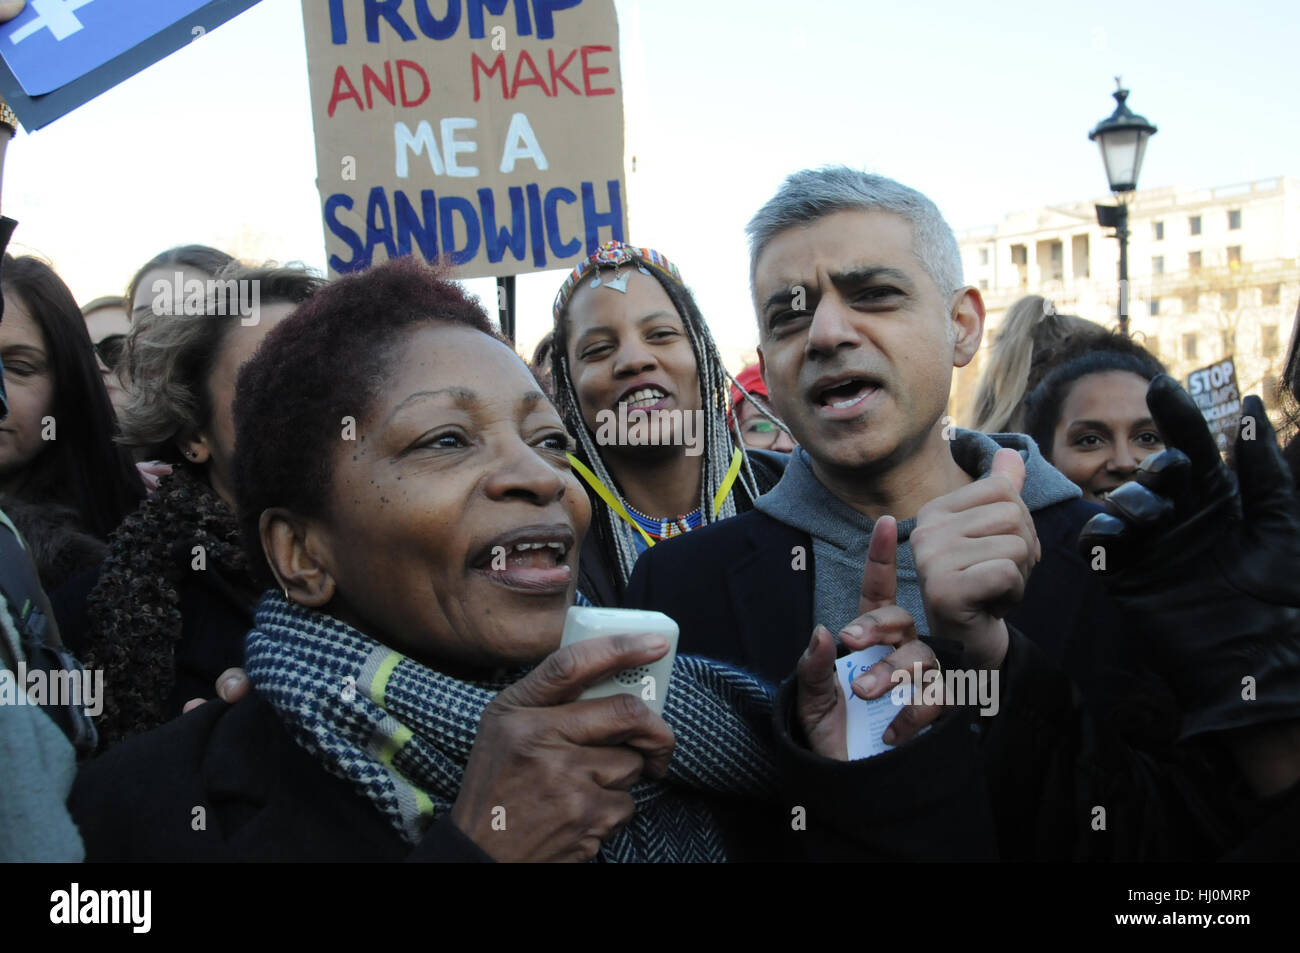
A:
[863,315]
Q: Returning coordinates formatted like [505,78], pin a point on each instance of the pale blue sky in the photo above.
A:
[985,107]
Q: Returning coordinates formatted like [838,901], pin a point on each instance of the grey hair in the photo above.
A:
[810,195]
[168,358]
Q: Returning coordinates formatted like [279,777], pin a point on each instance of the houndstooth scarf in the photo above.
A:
[401,732]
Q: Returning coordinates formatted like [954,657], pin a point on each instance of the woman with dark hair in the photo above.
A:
[1089,416]
[57,454]
[404,487]
[168,610]
[642,387]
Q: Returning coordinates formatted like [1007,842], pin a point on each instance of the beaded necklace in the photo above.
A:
[640,521]
[665,527]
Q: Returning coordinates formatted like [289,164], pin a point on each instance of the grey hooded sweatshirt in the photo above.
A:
[841,534]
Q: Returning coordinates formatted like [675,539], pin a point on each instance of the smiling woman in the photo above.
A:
[404,486]
[640,383]
[1089,416]
[452,510]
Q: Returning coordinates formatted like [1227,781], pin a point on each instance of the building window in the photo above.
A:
[1270,294]
[1158,264]
[1193,261]
[1228,339]
[1228,299]
[1050,258]
[984,256]
[1020,261]
[1234,219]
[1194,224]
[1158,231]
[1190,303]
[1234,256]
[1189,347]
[984,284]
[1269,388]
[1079,256]
[1155,307]
[1268,340]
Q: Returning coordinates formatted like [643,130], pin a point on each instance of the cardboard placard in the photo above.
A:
[486,133]
[59,54]
[1215,391]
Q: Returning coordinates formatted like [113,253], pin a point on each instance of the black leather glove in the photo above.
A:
[1208,565]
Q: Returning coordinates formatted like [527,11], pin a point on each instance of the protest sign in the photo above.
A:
[60,54]
[487,133]
[1214,389]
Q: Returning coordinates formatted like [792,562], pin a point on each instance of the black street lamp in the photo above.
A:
[1123,140]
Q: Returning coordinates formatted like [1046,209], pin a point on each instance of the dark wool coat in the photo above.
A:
[216,609]
[265,798]
[1081,725]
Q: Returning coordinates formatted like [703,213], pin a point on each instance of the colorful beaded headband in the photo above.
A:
[614,254]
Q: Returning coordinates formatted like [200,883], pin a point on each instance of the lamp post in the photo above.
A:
[1123,140]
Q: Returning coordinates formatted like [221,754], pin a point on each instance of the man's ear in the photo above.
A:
[298,556]
[967,326]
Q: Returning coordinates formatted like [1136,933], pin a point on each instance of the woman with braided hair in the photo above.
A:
[642,388]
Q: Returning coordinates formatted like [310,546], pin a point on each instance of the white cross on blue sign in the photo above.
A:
[58,16]
[53,42]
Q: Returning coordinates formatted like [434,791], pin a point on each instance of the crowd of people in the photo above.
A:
[321,560]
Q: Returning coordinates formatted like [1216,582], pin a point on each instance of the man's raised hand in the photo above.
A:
[974,550]
[821,704]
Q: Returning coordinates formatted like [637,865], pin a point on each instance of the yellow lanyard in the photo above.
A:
[615,504]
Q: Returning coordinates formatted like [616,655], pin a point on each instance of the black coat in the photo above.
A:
[265,798]
[1081,723]
[216,610]
[742,592]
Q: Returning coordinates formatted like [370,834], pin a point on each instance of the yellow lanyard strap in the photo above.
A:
[615,504]
[610,499]
[733,471]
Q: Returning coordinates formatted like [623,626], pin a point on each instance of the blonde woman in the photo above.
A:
[1029,342]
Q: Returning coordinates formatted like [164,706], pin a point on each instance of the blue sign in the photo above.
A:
[59,54]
